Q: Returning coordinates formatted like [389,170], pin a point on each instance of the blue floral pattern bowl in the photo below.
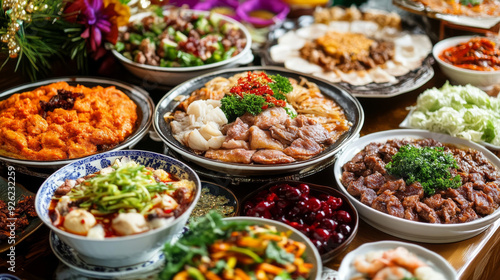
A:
[117,251]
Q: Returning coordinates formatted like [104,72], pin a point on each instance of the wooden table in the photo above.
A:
[475,258]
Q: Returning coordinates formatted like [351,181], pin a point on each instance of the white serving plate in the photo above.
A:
[175,75]
[438,263]
[406,229]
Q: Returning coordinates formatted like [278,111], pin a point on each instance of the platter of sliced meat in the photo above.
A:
[257,121]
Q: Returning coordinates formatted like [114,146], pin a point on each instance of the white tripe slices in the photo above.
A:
[201,128]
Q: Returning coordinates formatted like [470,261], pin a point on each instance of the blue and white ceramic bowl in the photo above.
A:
[117,251]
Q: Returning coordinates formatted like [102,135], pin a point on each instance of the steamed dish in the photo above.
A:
[461,111]
[348,45]
[122,199]
[253,117]
[398,263]
[423,180]
[218,249]
[59,121]
[181,38]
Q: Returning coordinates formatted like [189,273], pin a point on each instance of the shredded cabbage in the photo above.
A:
[461,111]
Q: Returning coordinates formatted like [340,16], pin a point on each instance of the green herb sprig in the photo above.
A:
[427,165]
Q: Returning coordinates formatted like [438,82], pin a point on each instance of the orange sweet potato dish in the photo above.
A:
[59,121]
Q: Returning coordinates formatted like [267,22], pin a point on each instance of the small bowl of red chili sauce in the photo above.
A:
[469,60]
[321,213]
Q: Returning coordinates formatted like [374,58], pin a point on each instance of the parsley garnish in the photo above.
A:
[427,165]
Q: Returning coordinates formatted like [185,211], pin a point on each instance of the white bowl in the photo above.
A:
[484,80]
[311,254]
[406,229]
[175,75]
[438,263]
[116,251]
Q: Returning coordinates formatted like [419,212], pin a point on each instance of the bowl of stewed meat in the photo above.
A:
[321,213]
[178,44]
[118,208]
[421,186]
[256,121]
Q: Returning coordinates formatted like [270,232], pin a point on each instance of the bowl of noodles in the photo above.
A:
[257,121]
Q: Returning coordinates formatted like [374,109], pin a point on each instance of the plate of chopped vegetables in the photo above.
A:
[257,121]
[242,247]
[420,185]
[465,112]
[173,45]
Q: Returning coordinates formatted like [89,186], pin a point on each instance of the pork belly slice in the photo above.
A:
[284,134]
[271,117]
[237,130]
[302,149]
[315,132]
[234,155]
[271,157]
[235,144]
[260,139]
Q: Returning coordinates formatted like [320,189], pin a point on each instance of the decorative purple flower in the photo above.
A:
[100,22]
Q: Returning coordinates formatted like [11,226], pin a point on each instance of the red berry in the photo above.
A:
[313,204]
[321,234]
[342,216]
[304,189]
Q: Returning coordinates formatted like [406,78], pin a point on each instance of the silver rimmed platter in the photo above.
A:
[351,106]
[140,97]
[403,84]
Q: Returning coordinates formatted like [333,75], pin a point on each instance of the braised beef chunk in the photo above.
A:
[366,178]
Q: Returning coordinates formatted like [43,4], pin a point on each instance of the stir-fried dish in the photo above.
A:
[424,180]
[473,8]
[478,53]
[218,249]
[181,38]
[253,117]
[122,199]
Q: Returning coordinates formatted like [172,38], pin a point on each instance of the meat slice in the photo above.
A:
[414,188]
[375,181]
[448,211]
[347,178]
[260,139]
[302,149]
[434,201]
[284,134]
[483,204]
[270,117]
[355,167]
[388,203]
[376,164]
[235,144]
[392,186]
[492,189]
[302,120]
[271,157]
[315,132]
[356,187]
[237,130]
[427,214]
[234,155]
[367,196]
[409,214]
[467,215]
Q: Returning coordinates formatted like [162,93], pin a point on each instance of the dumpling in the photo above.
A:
[129,223]
[79,221]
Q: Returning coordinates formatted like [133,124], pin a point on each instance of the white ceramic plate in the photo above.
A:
[173,76]
[71,258]
[406,229]
[438,263]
